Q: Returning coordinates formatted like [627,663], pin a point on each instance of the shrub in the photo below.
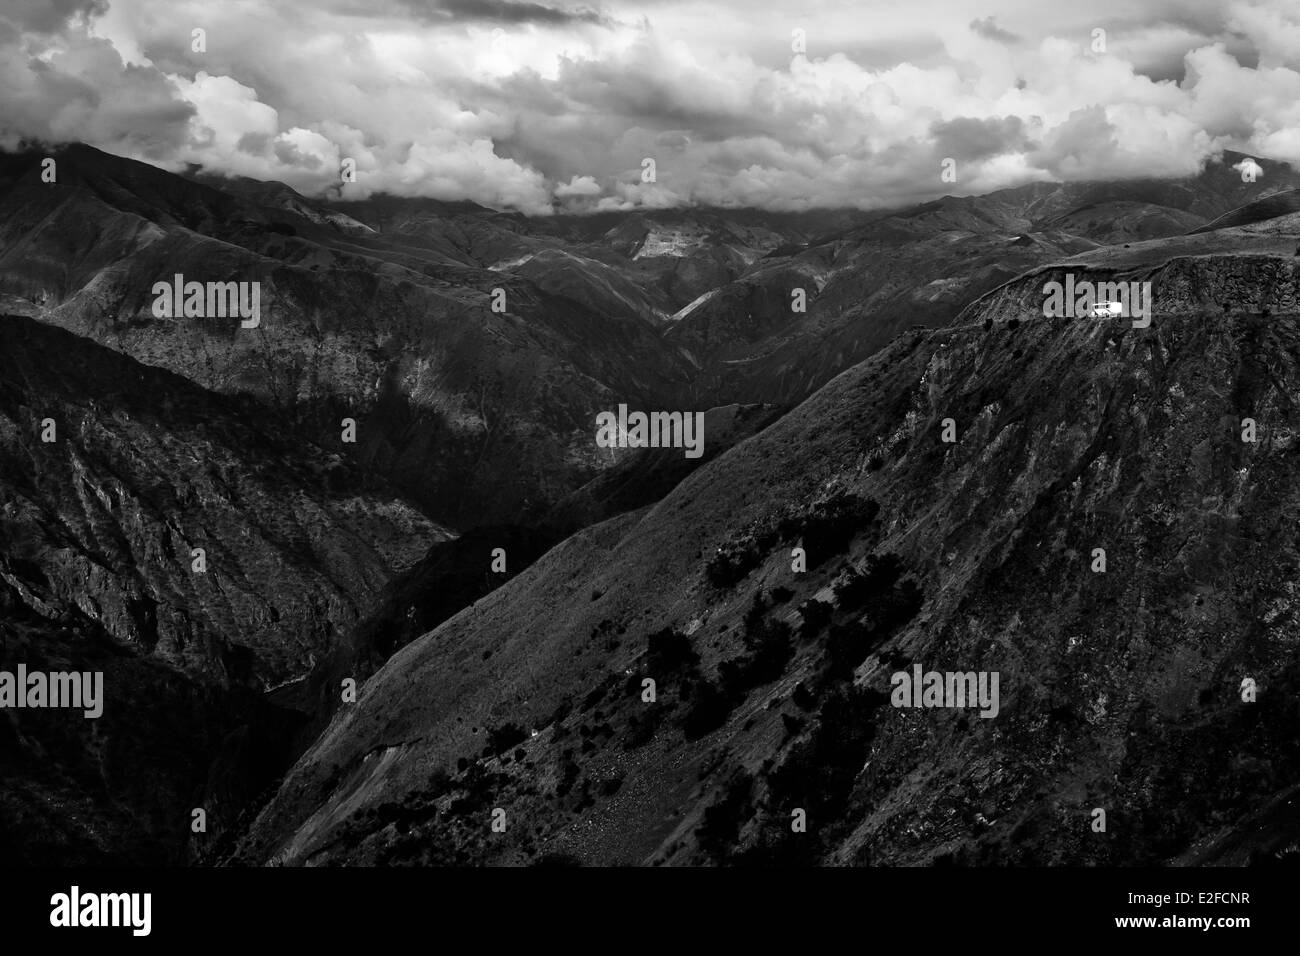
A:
[668,652]
[733,561]
[819,772]
[439,782]
[768,650]
[742,674]
[561,711]
[815,614]
[504,737]
[874,580]
[723,820]
[754,616]
[641,730]
[891,603]
[708,710]
[829,525]
[568,777]
[847,646]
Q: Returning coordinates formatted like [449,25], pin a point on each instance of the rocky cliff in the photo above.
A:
[199,556]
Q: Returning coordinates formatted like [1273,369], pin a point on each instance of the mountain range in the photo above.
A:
[501,588]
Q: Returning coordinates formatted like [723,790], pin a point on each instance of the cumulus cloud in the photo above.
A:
[59,84]
[578,186]
[1249,169]
[49,16]
[543,105]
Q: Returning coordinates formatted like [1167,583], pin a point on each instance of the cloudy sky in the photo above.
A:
[551,104]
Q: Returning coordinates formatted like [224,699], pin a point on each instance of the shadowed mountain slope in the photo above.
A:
[770,680]
[448,394]
[144,467]
[1119,689]
[195,554]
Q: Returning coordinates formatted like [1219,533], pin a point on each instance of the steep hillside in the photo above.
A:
[1270,207]
[395,332]
[457,573]
[199,557]
[1120,688]
[121,789]
[525,692]
[143,468]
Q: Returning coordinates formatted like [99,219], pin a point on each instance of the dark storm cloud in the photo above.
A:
[972,139]
[1245,54]
[919,51]
[500,11]
[255,144]
[1171,68]
[49,16]
[1079,145]
[988,28]
[82,91]
[640,93]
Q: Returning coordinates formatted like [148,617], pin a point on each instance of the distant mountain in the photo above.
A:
[380,310]
[924,264]
[478,415]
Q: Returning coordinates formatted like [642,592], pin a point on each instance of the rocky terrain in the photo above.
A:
[1120,688]
[204,559]
[382,310]
[828,538]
